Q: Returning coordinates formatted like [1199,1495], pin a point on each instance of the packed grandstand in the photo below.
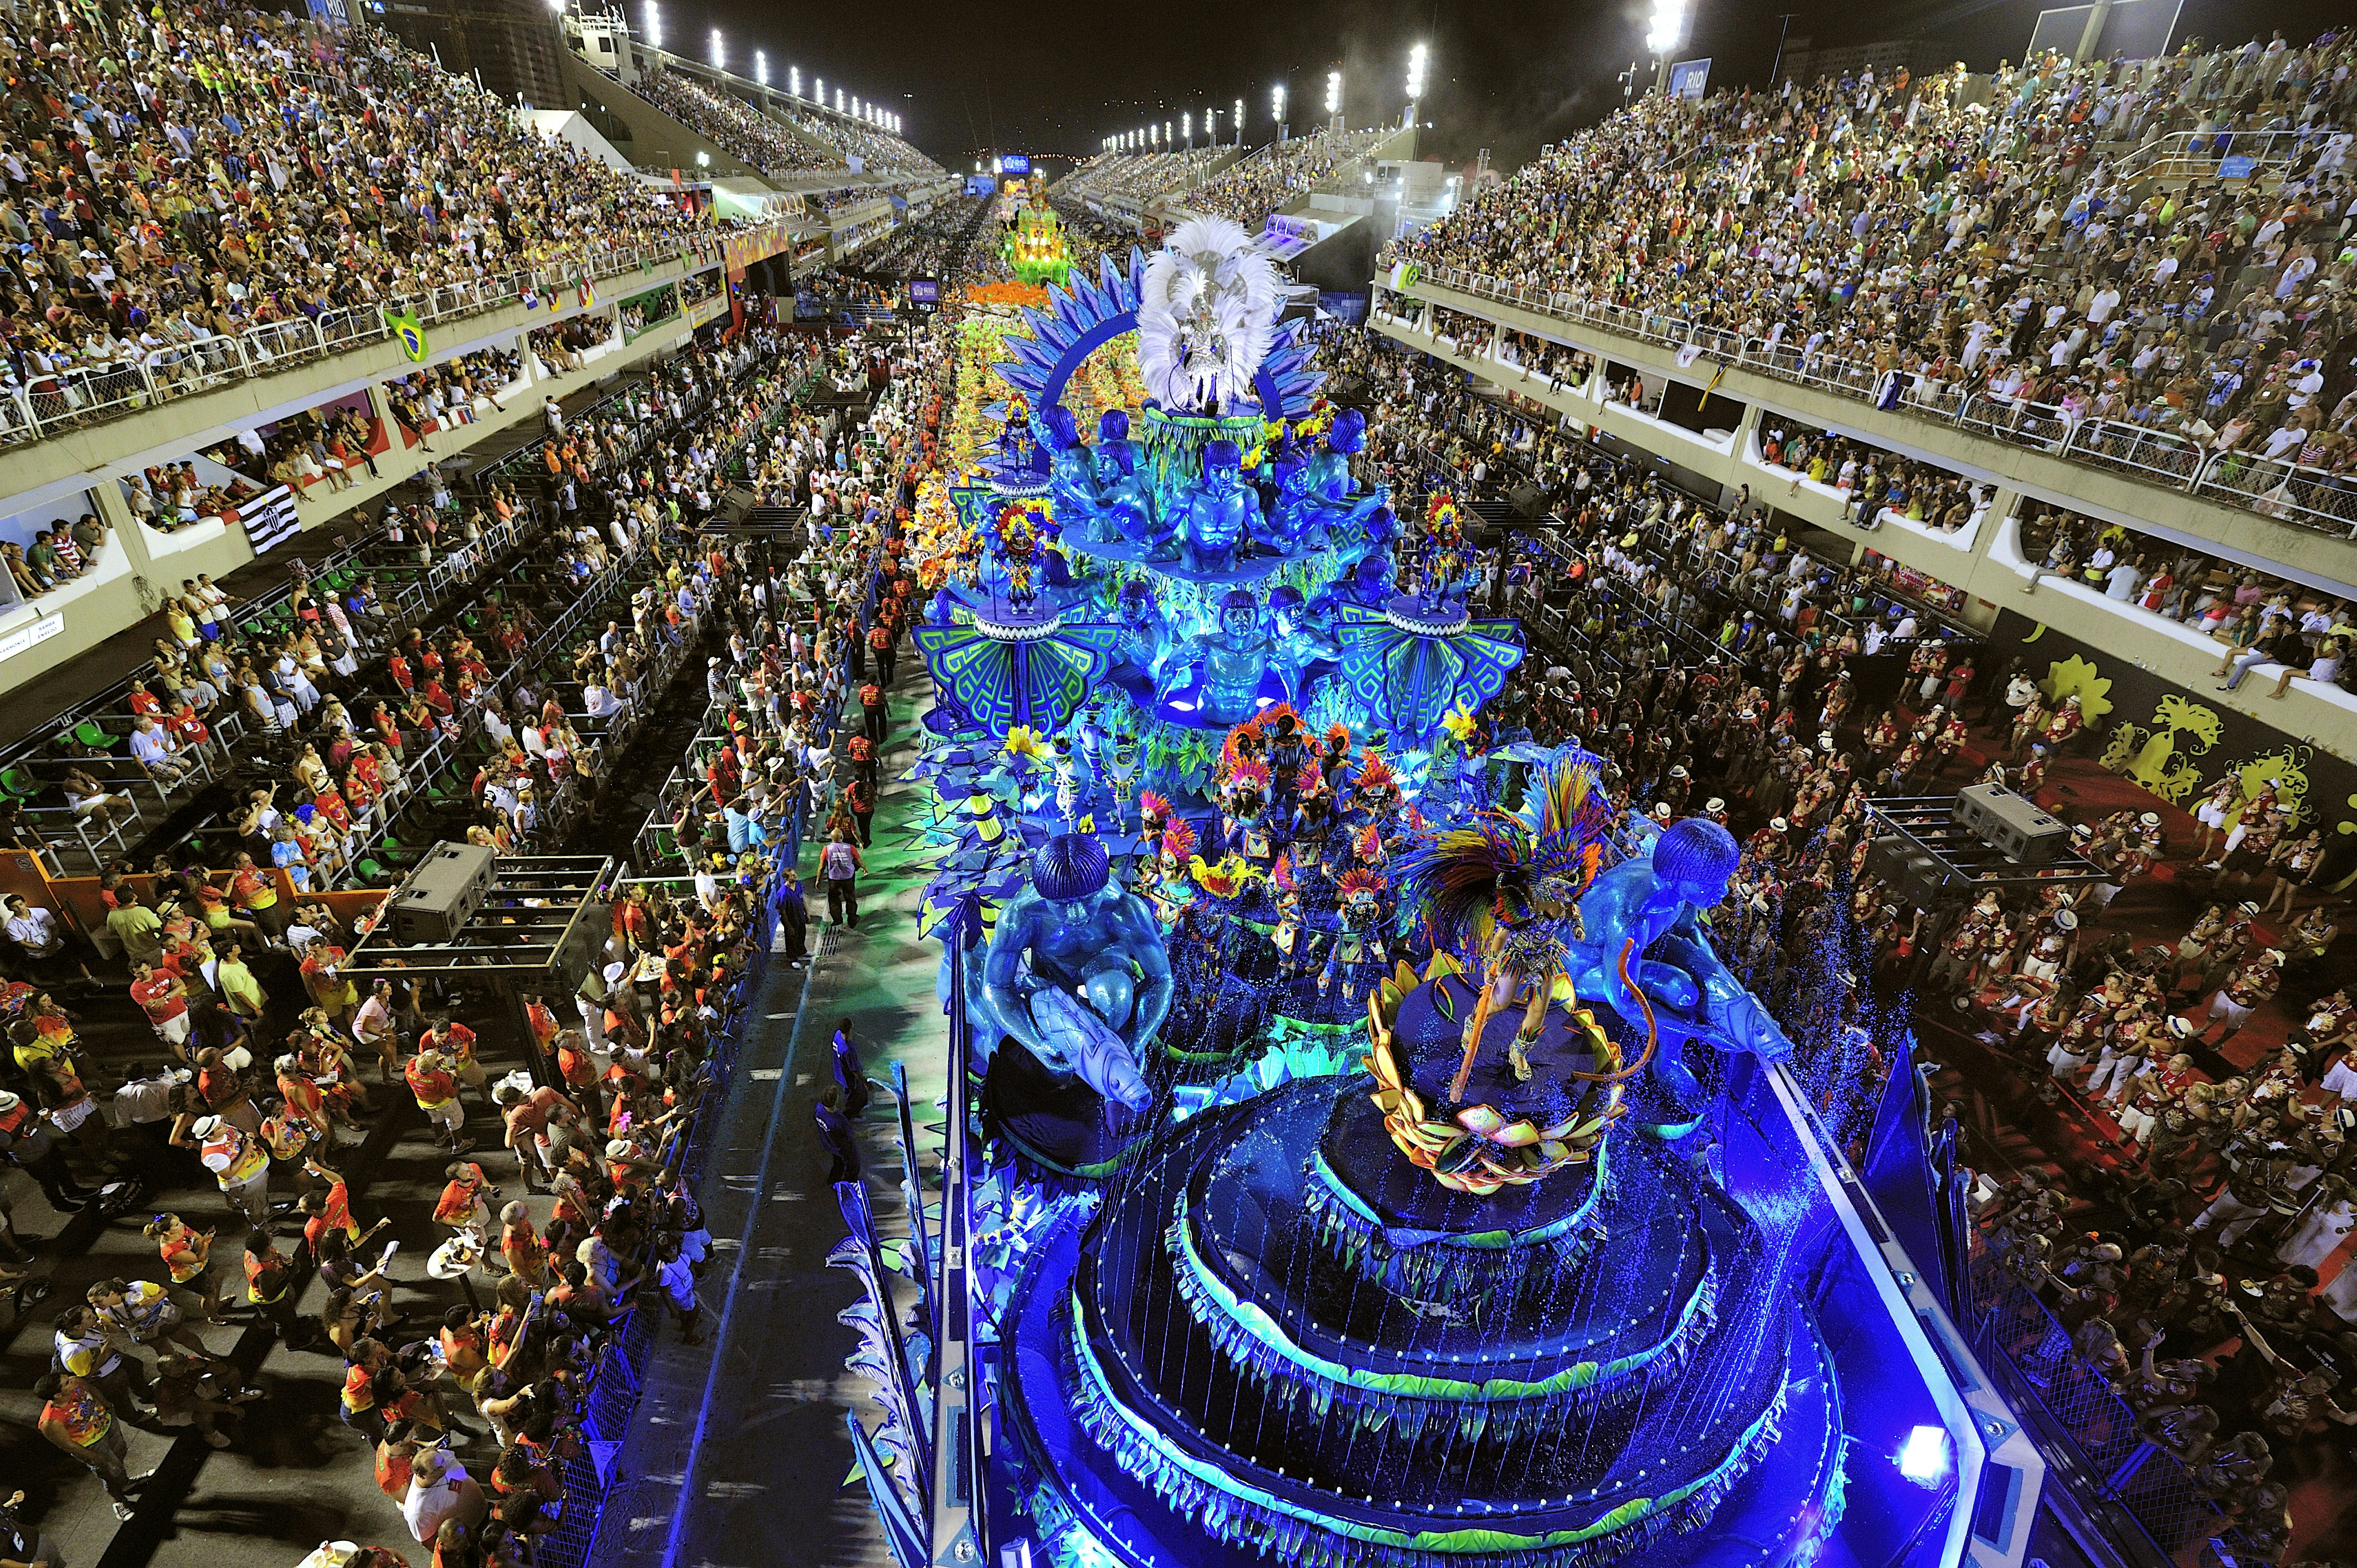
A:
[1819,449]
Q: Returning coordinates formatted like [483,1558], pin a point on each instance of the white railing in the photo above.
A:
[2305,496]
[81,395]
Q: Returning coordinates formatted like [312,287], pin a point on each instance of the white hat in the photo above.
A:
[2248,905]
[2150,818]
[9,1101]
[207,1126]
[2275,955]
[614,972]
[1779,825]
[1715,805]
[2066,919]
[618,1148]
[2182,1028]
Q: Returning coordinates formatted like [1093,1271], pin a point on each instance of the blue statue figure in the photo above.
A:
[1072,479]
[1075,971]
[1214,517]
[1302,639]
[1296,522]
[1128,504]
[1367,585]
[1225,675]
[1146,643]
[1330,481]
[1655,901]
[941,608]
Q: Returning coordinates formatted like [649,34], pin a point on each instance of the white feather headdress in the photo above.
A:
[1206,316]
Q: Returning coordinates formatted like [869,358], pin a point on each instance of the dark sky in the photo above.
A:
[1054,77]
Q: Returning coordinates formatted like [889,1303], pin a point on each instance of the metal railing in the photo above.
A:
[51,398]
[2100,1436]
[2305,496]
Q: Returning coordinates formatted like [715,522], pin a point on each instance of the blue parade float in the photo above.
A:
[1352,1170]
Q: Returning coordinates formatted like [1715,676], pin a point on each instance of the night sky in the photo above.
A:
[1053,77]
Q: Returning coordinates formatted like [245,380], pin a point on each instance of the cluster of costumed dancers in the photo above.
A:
[1338,1081]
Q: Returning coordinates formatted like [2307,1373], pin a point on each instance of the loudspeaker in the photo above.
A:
[449,886]
[1525,500]
[2012,825]
[1906,869]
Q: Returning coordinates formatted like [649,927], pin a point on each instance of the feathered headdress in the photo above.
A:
[1282,872]
[1310,779]
[1368,844]
[1249,775]
[1179,840]
[1354,883]
[1375,774]
[1153,805]
[1207,313]
[1226,880]
[1507,870]
[1338,734]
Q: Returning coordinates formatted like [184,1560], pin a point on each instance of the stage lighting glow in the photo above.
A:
[1924,1458]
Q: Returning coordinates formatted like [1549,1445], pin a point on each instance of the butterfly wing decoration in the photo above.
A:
[1413,680]
[996,685]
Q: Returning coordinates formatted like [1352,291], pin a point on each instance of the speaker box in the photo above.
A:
[2010,824]
[449,886]
[1906,869]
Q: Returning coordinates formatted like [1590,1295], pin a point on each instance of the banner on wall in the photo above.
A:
[1687,78]
[2171,741]
[738,252]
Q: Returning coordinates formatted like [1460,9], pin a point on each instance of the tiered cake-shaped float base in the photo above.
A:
[1279,1338]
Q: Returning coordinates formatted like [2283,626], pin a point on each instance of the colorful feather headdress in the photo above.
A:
[1505,869]
[1376,774]
[1249,775]
[1153,805]
[1179,840]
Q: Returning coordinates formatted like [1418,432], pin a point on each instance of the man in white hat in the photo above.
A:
[2050,950]
[241,1165]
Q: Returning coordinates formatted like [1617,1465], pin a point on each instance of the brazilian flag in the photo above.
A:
[411,332]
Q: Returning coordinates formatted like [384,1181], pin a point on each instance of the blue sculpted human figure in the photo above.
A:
[1302,639]
[1655,902]
[1215,515]
[1127,501]
[1225,676]
[1072,479]
[1342,513]
[1145,643]
[1367,585]
[1075,972]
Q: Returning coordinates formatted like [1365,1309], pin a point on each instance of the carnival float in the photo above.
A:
[1361,1154]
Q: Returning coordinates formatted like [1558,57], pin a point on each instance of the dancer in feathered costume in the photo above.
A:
[1498,890]
[1244,829]
[1359,944]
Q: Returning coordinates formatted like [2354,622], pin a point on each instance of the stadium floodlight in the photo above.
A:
[761,67]
[838,101]
[1276,104]
[818,91]
[793,81]
[654,26]
[719,51]
[1416,57]
[1333,92]
[1167,136]
[1240,122]
[1667,32]
[1187,125]
[999,166]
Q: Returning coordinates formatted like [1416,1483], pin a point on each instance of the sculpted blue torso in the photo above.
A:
[1691,991]
[1102,956]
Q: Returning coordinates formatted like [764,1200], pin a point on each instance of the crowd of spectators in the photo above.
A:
[55,555]
[1717,669]
[474,1423]
[209,171]
[736,126]
[1250,188]
[879,152]
[2019,243]
[2255,617]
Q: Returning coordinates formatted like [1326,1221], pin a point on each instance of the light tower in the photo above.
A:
[1334,99]
[1416,58]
